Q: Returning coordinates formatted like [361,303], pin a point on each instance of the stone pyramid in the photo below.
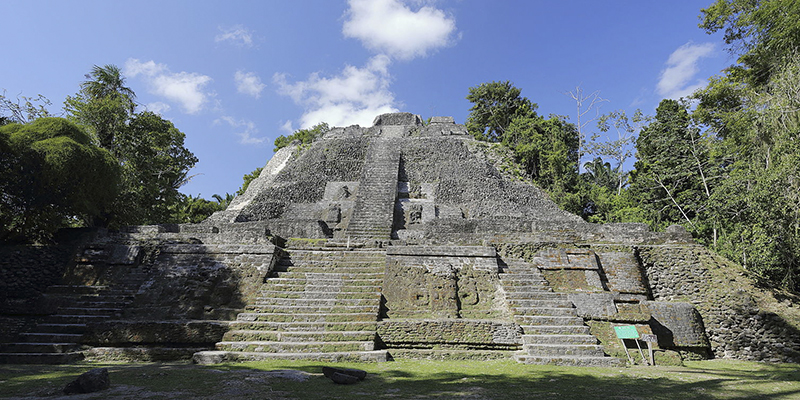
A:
[399,179]
[400,240]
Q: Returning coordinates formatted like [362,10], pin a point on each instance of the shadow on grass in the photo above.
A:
[496,380]
[423,379]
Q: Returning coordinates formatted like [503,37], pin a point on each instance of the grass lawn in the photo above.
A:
[413,379]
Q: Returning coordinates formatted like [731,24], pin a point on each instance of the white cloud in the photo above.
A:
[287,127]
[390,27]
[248,83]
[134,67]
[247,130]
[185,88]
[355,96]
[677,78]
[237,35]
[158,107]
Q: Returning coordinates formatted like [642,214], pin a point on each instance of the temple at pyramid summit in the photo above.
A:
[406,239]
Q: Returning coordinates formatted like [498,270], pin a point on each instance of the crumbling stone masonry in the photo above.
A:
[399,240]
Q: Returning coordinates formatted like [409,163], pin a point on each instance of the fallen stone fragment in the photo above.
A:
[344,375]
[91,381]
[344,379]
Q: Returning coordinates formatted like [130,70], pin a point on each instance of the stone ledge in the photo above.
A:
[457,333]
[124,333]
[218,248]
[442,251]
[218,357]
[139,354]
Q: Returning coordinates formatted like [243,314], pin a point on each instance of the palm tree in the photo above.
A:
[223,202]
[602,174]
[108,82]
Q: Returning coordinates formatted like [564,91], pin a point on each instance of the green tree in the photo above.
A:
[155,164]
[762,32]
[247,179]
[548,150]
[56,178]
[602,173]
[758,198]
[304,136]
[494,106]
[194,209]
[671,178]
[108,82]
[621,148]
[752,109]
[148,148]
[104,105]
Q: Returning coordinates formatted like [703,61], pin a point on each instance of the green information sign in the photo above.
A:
[626,332]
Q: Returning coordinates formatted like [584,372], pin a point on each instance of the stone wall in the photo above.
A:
[450,333]
[25,274]
[197,281]
[304,179]
[441,282]
[27,271]
[742,321]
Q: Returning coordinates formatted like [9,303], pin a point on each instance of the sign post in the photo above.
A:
[650,339]
[629,332]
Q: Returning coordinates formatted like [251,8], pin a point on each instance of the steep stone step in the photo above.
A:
[373,211]
[555,329]
[304,326]
[88,311]
[51,337]
[536,295]
[350,277]
[545,311]
[295,347]
[75,289]
[294,317]
[217,357]
[338,268]
[524,276]
[39,347]
[549,320]
[75,319]
[553,333]
[573,361]
[349,294]
[265,302]
[583,350]
[325,286]
[333,255]
[539,303]
[322,287]
[125,298]
[61,328]
[96,302]
[559,339]
[312,309]
[314,302]
[525,285]
[374,282]
[298,336]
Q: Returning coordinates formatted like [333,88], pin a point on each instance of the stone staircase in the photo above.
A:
[553,333]
[320,304]
[57,338]
[373,212]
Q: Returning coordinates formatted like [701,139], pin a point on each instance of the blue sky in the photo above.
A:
[235,75]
